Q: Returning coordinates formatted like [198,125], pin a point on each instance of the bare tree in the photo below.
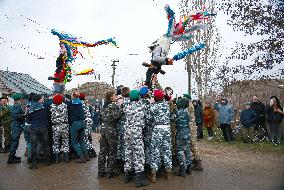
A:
[201,64]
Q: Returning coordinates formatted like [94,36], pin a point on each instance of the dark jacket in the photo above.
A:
[248,117]
[273,117]
[37,115]
[259,109]
[198,112]
[75,111]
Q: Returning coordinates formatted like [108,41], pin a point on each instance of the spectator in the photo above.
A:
[208,119]
[259,122]
[248,117]
[198,118]
[226,114]
[274,116]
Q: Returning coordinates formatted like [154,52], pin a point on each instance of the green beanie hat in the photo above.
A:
[187,96]
[134,95]
[16,96]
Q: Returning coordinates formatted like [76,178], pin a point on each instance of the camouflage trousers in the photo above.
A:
[108,146]
[121,142]
[173,138]
[60,131]
[88,137]
[193,143]
[6,130]
[161,144]
[134,149]
[147,142]
[183,149]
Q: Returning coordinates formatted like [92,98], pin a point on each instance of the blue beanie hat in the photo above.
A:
[143,91]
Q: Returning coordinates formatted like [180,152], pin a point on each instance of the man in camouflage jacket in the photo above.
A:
[159,115]
[60,127]
[5,122]
[134,146]
[89,125]
[109,136]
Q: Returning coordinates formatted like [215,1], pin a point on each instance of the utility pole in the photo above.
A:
[113,65]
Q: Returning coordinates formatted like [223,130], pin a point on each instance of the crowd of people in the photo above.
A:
[141,131]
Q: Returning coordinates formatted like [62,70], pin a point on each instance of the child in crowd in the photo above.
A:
[208,119]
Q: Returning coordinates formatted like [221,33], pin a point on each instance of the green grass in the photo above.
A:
[265,146]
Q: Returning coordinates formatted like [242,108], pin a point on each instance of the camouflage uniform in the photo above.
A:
[193,132]
[134,147]
[18,123]
[5,122]
[182,137]
[60,127]
[173,128]
[89,125]
[161,135]
[108,141]
[147,131]
[121,133]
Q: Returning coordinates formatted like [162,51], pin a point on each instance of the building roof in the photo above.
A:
[20,82]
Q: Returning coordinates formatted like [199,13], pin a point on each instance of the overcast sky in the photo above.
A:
[134,24]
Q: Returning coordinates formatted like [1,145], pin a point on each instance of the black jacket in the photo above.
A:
[259,109]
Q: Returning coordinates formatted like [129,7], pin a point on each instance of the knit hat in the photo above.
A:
[36,97]
[158,94]
[143,91]
[134,95]
[187,96]
[82,96]
[57,99]
[125,91]
[17,96]
[247,103]
[182,103]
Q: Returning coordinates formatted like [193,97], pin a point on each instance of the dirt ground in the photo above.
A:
[225,167]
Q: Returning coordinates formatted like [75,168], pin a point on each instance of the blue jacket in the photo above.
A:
[37,115]
[18,114]
[75,110]
[248,117]
[226,113]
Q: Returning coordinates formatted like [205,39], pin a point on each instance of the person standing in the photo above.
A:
[259,122]
[60,127]
[274,115]
[38,119]
[135,114]
[208,119]
[110,114]
[247,119]
[196,162]
[160,146]
[226,114]
[5,124]
[77,127]
[18,121]
[198,118]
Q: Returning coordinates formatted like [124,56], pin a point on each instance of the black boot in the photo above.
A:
[92,153]
[140,179]
[188,169]
[65,157]
[57,158]
[82,159]
[101,174]
[87,157]
[181,171]
[13,159]
[33,165]
[127,177]
[111,174]
[197,166]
